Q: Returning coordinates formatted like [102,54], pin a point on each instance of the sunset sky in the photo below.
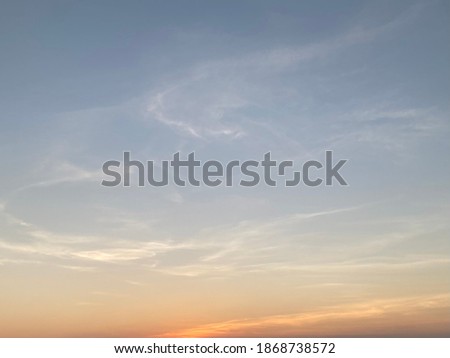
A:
[83,81]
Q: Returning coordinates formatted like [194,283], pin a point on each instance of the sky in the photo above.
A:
[83,81]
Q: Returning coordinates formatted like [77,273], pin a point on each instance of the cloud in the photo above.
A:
[198,109]
[127,252]
[405,317]
[215,98]
[61,172]
[213,251]
[389,127]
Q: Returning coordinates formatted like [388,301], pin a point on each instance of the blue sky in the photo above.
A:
[84,81]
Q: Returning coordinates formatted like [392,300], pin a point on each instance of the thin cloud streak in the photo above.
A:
[334,321]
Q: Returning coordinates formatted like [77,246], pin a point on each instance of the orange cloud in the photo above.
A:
[407,317]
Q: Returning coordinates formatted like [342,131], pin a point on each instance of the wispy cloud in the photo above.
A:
[339,320]
[214,98]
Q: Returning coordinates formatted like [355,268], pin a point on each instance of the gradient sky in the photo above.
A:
[83,81]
